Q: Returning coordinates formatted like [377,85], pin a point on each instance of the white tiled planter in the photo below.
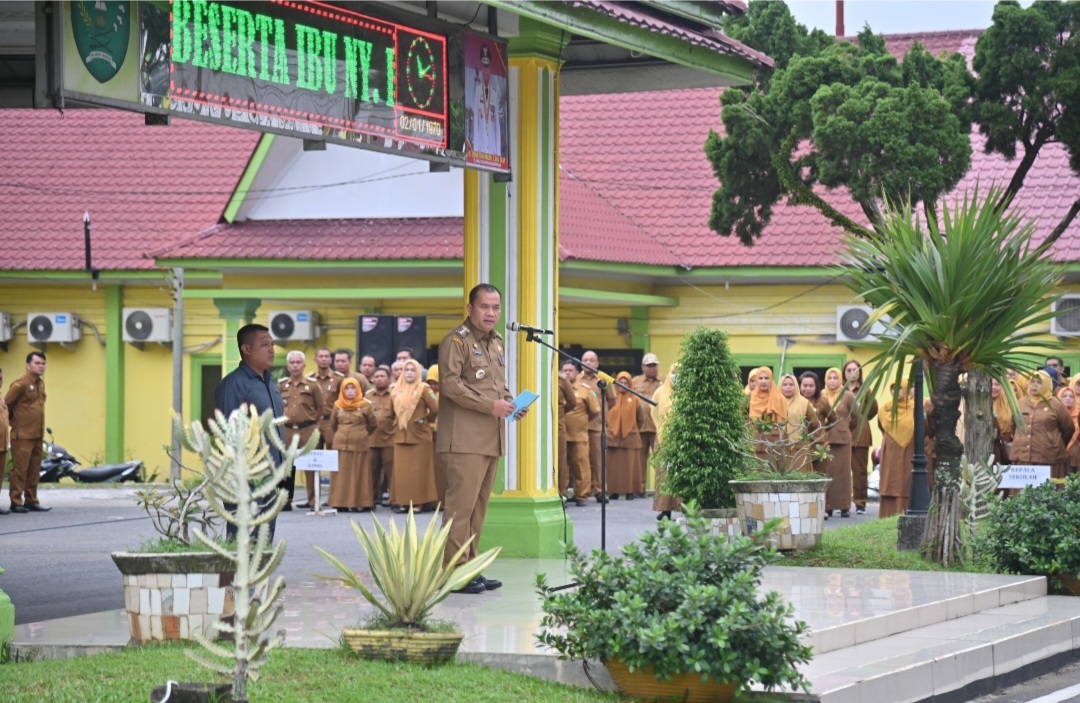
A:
[722,522]
[174,596]
[800,503]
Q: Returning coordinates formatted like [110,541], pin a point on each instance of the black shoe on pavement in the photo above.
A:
[845,513]
[288,507]
[489,584]
[19,509]
[601,499]
[631,496]
[581,503]
[663,515]
[472,587]
[37,508]
[860,510]
[304,505]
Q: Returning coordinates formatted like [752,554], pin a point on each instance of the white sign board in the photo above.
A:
[1021,476]
[319,460]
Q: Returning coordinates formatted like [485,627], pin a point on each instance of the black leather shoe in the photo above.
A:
[845,513]
[288,507]
[489,584]
[581,503]
[631,496]
[304,505]
[19,509]
[37,508]
[473,587]
[601,499]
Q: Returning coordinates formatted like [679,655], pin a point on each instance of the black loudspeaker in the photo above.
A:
[412,332]
[375,337]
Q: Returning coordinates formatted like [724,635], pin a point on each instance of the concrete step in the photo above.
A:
[930,661]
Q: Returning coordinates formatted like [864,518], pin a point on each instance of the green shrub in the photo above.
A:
[679,601]
[706,441]
[1036,531]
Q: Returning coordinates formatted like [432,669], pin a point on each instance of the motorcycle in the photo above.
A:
[57,463]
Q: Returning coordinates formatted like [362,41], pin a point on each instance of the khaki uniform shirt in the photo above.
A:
[472,376]
[647,387]
[589,381]
[365,384]
[26,407]
[303,401]
[5,426]
[383,403]
[422,422]
[352,428]
[566,401]
[584,411]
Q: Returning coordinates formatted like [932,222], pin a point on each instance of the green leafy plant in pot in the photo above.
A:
[679,608]
[407,569]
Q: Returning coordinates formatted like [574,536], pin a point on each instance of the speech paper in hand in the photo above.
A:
[524,400]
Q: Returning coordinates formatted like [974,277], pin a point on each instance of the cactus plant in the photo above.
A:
[242,490]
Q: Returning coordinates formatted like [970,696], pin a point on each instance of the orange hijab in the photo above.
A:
[1002,412]
[769,404]
[624,414]
[831,396]
[407,395]
[346,404]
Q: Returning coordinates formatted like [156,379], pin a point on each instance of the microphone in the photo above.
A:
[515,327]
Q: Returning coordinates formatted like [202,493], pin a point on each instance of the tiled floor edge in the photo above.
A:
[990,684]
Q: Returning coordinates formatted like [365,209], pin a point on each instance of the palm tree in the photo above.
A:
[964,294]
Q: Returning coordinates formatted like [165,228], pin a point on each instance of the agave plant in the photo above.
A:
[408,569]
[969,291]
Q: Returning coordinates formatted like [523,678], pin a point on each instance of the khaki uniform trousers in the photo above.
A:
[25,471]
[860,458]
[440,469]
[563,469]
[469,478]
[594,461]
[577,454]
[648,442]
[382,469]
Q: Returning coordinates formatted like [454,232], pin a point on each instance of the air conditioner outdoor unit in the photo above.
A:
[148,324]
[851,324]
[302,325]
[5,327]
[53,327]
[1067,321]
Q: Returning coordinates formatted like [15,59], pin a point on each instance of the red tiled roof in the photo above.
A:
[143,186]
[326,240]
[642,16]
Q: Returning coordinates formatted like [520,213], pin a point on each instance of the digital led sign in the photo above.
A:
[308,68]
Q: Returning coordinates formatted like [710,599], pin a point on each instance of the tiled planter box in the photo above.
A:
[801,504]
[722,522]
[172,596]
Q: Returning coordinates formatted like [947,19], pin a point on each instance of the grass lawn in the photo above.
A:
[868,545]
[290,676]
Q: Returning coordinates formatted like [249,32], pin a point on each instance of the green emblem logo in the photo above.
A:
[101,34]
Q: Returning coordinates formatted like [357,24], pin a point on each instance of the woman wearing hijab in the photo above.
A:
[625,419]
[819,416]
[767,405]
[861,439]
[842,403]
[1072,449]
[440,467]
[1004,427]
[663,503]
[415,410]
[799,416]
[897,423]
[352,421]
[1045,429]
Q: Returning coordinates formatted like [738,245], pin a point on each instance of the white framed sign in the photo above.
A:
[318,460]
[1022,475]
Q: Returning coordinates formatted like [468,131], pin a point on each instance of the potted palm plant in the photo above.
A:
[408,570]
[705,440]
[677,616]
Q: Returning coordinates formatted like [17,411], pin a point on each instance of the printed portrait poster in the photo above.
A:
[487,103]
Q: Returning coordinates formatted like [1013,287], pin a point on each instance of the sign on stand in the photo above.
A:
[319,460]
[1022,476]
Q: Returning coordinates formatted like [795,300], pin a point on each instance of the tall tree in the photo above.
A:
[963,294]
[1027,93]
[840,115]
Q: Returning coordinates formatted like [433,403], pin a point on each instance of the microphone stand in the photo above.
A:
[602,383]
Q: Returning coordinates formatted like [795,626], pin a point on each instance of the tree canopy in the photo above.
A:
[852,116]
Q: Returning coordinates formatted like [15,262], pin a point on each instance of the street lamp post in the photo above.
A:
[913,523]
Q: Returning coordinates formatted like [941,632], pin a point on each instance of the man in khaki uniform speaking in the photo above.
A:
[303,401]
[26,404]
[647,383]
[474,401]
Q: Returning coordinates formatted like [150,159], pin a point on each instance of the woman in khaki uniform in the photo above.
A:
[818,417]
[898,450]
[351,423]
[842,403]
[1045,429]
[799,417]
[1072,450]
[767,408]
[1004,426]
[415,410]
[861,439]
[624,441]
[663,503]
